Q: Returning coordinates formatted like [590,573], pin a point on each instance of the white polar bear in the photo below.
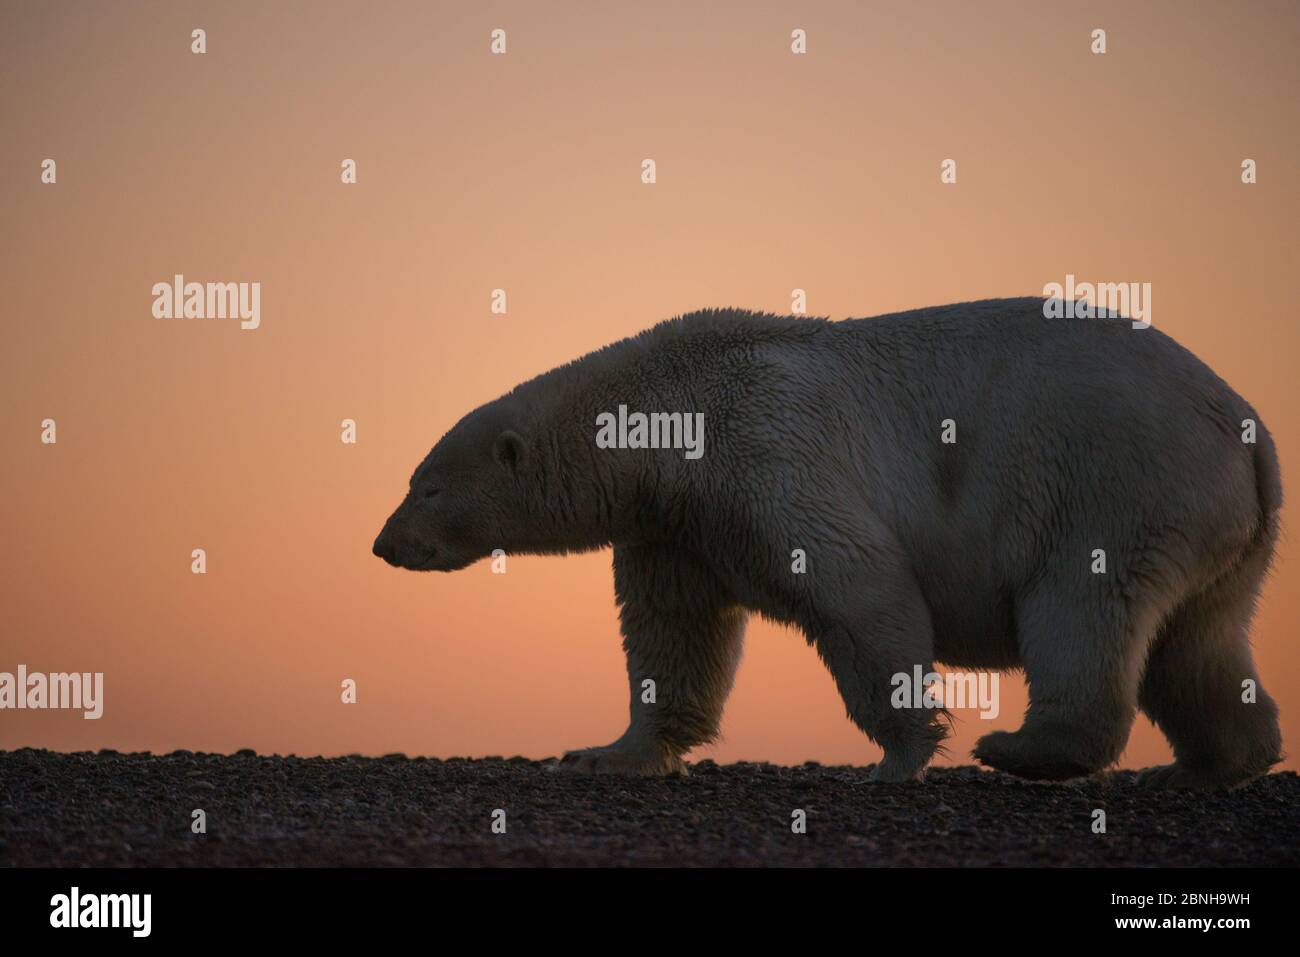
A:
[950,474]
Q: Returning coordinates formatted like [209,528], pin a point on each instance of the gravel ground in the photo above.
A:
[111,809]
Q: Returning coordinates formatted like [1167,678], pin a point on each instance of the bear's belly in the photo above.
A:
[975,634]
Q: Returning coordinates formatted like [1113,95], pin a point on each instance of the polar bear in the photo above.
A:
[949,475]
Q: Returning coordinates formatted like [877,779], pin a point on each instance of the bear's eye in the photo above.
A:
[431,492]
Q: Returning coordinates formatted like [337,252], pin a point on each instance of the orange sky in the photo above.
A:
[521,171]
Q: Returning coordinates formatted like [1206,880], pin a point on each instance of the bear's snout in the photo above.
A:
[394,545]
[385,548]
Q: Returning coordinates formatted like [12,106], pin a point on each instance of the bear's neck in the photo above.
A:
[598,493]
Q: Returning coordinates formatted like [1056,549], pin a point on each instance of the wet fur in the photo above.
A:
[1072,435]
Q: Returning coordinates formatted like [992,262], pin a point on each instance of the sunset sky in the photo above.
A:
[523,172]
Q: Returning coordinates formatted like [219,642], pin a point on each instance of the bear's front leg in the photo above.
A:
[867,632]
[682,633]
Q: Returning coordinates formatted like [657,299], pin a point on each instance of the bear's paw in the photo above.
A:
[625,761]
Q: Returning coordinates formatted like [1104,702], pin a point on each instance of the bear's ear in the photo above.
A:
[508,450]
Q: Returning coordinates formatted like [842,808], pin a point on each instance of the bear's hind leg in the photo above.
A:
[1194,686]
[1082,650]
[683,632]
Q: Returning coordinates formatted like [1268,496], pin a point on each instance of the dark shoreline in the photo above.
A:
[122,810]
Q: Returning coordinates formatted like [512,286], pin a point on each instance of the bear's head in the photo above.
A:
[466,498]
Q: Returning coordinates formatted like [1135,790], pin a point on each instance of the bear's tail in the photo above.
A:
[1268,485]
